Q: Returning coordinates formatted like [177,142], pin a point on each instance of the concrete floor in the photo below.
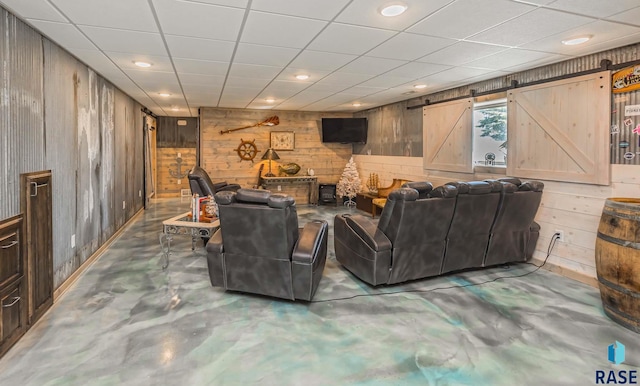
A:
[128,322]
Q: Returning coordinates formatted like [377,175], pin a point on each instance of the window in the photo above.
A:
[490,133]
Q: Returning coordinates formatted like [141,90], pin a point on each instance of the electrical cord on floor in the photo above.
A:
[552,243]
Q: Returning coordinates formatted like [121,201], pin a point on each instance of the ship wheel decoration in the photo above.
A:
[247,150]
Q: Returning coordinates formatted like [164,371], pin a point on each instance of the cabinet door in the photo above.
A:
[11,266]
[12,316]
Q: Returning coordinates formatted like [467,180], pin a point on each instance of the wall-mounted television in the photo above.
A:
[344,130]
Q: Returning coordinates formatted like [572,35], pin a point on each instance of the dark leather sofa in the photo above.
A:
[201,184]
[259,248]
[426,232]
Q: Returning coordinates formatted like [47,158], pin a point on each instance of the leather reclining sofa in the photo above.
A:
[424,232]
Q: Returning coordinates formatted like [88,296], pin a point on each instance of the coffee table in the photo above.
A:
[182,225]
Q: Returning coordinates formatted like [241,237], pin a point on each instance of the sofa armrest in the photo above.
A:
[230,187]
[215,260]
[368,231]
[310,242]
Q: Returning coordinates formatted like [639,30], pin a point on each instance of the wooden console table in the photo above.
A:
[312,181]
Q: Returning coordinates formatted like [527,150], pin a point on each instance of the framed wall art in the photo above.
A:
[282,140]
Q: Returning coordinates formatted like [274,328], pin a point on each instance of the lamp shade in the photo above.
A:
[270,154]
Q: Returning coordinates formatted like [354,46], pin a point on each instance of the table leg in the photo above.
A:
[193,242]
[165,251]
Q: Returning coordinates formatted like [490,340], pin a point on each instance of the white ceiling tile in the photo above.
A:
[318,60]
[228,3]
[455,74]
[325,88]
[199,49]
[34,9]
[254,71]
[344,79]
[325,9]
[283,86]
[385,81]
[153,79]
[264,55]
[461,53]
[467,17]
[529,27]
[131,14]
[134,42]
[366,13]
[205,80]
[204,67]
[98,61]
[632,16]
[409,46]
[415,70]
[360,91]
[240,92]
[242,82]
[64,34]
[126,61]
[594,8]
[372,66]
[348,39]
[601,31]
[618,42]
[275,30]
[511,57]
[199,20]
[201,90]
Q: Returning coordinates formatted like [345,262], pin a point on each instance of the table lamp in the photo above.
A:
[270,154]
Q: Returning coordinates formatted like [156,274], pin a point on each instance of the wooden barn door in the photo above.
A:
[37,208]
[560,130]
[448,136]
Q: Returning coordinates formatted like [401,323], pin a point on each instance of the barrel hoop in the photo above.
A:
[621,215]
[618,288]
[616,315]
[624,243]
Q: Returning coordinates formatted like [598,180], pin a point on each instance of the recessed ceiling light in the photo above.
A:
[142,64]
[164,94]
[356,104]
[393,9]
[175,109]
[420,86]
[302,77]
[270,100]
[576,41]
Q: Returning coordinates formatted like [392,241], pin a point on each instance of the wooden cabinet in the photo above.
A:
[13,307]
[364,202]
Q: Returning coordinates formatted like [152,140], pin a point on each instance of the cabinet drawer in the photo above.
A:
[12,321]
[10,256]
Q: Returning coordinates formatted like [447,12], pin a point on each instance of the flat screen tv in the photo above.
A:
[344,130]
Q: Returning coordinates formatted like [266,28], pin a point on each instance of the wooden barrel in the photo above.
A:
[618,260]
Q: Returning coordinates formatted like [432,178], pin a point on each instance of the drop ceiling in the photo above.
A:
[239,53]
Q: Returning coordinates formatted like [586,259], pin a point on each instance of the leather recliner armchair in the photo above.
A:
[201,184]
[259,248]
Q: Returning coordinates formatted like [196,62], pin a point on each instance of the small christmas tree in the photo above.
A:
[349,183]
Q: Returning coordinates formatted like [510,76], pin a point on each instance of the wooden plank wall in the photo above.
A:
[220,159]
[170,182]
[573,208]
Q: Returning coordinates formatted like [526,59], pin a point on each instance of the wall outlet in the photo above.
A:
[139,193]
[279,188]
[179,182]
[560,233]
[73,241]
[124,205]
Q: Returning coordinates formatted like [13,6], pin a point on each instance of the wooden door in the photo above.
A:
[37,208]
[448,135]
[560,130]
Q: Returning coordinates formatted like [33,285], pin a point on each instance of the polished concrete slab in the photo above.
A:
[128,322]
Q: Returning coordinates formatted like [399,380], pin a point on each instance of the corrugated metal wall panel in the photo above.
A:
[62,154]
[21,122]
